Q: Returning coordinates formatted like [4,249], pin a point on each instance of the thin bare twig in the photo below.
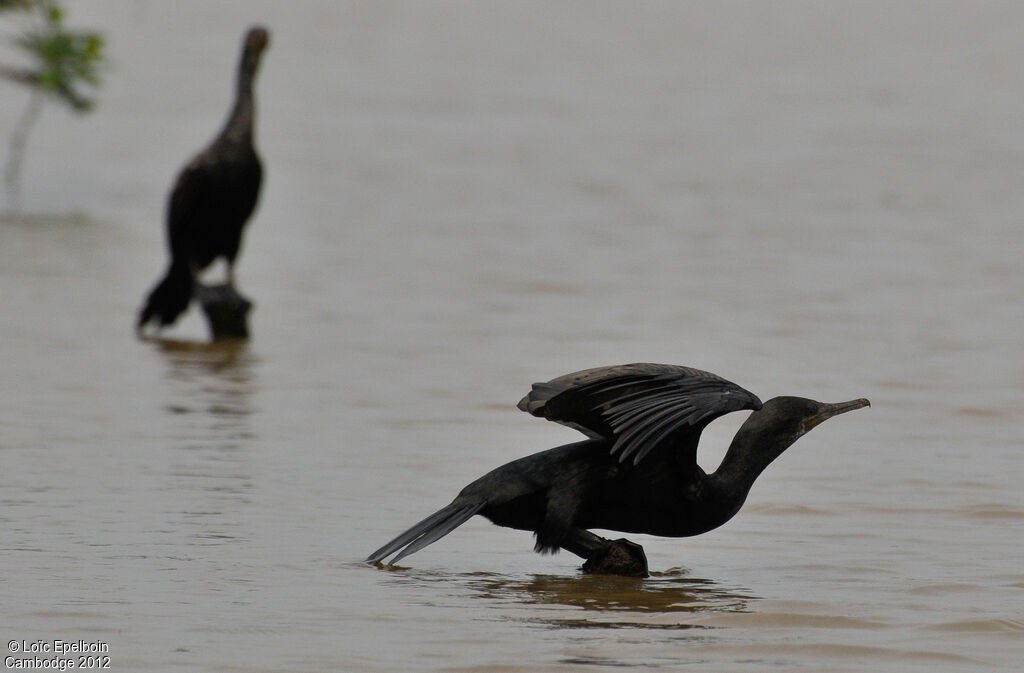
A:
[16,150]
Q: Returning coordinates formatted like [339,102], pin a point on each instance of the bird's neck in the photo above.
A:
[742,465]
[241,121]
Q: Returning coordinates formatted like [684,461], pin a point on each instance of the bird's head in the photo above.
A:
[257,39]
[795,416]
[782,420]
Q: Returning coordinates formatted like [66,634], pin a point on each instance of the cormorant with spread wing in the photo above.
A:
[212,199]
[638,472]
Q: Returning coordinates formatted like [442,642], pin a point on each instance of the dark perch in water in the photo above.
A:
[226,310]
[637,473]
[210,203]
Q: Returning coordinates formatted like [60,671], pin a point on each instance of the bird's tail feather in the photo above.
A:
[169,298]
[430,530]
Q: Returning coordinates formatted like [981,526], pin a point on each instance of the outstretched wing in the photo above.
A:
[637,406]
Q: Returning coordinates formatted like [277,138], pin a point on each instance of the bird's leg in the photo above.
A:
[583,543]
[606,557]
[197,283]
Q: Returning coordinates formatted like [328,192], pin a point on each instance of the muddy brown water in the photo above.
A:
[463,198]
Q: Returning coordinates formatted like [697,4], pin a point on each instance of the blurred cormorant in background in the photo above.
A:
[212,199]
[638,472]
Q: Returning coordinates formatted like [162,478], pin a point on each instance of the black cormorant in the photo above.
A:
[638,472]
[212,199]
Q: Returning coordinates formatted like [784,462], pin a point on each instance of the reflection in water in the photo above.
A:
[670,591]
[610,602]
[212,379]
[217,376]
[593,601]
[209,411]
[586,620]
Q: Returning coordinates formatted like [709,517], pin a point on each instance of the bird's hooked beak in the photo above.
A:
[827,411]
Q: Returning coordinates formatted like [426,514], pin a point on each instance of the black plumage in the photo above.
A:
[638,472]
[212,198]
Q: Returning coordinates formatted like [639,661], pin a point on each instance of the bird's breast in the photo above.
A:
[655,504]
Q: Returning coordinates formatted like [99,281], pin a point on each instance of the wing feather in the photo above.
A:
[638,406]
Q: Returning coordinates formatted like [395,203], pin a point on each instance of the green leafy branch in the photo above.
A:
[63,61]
